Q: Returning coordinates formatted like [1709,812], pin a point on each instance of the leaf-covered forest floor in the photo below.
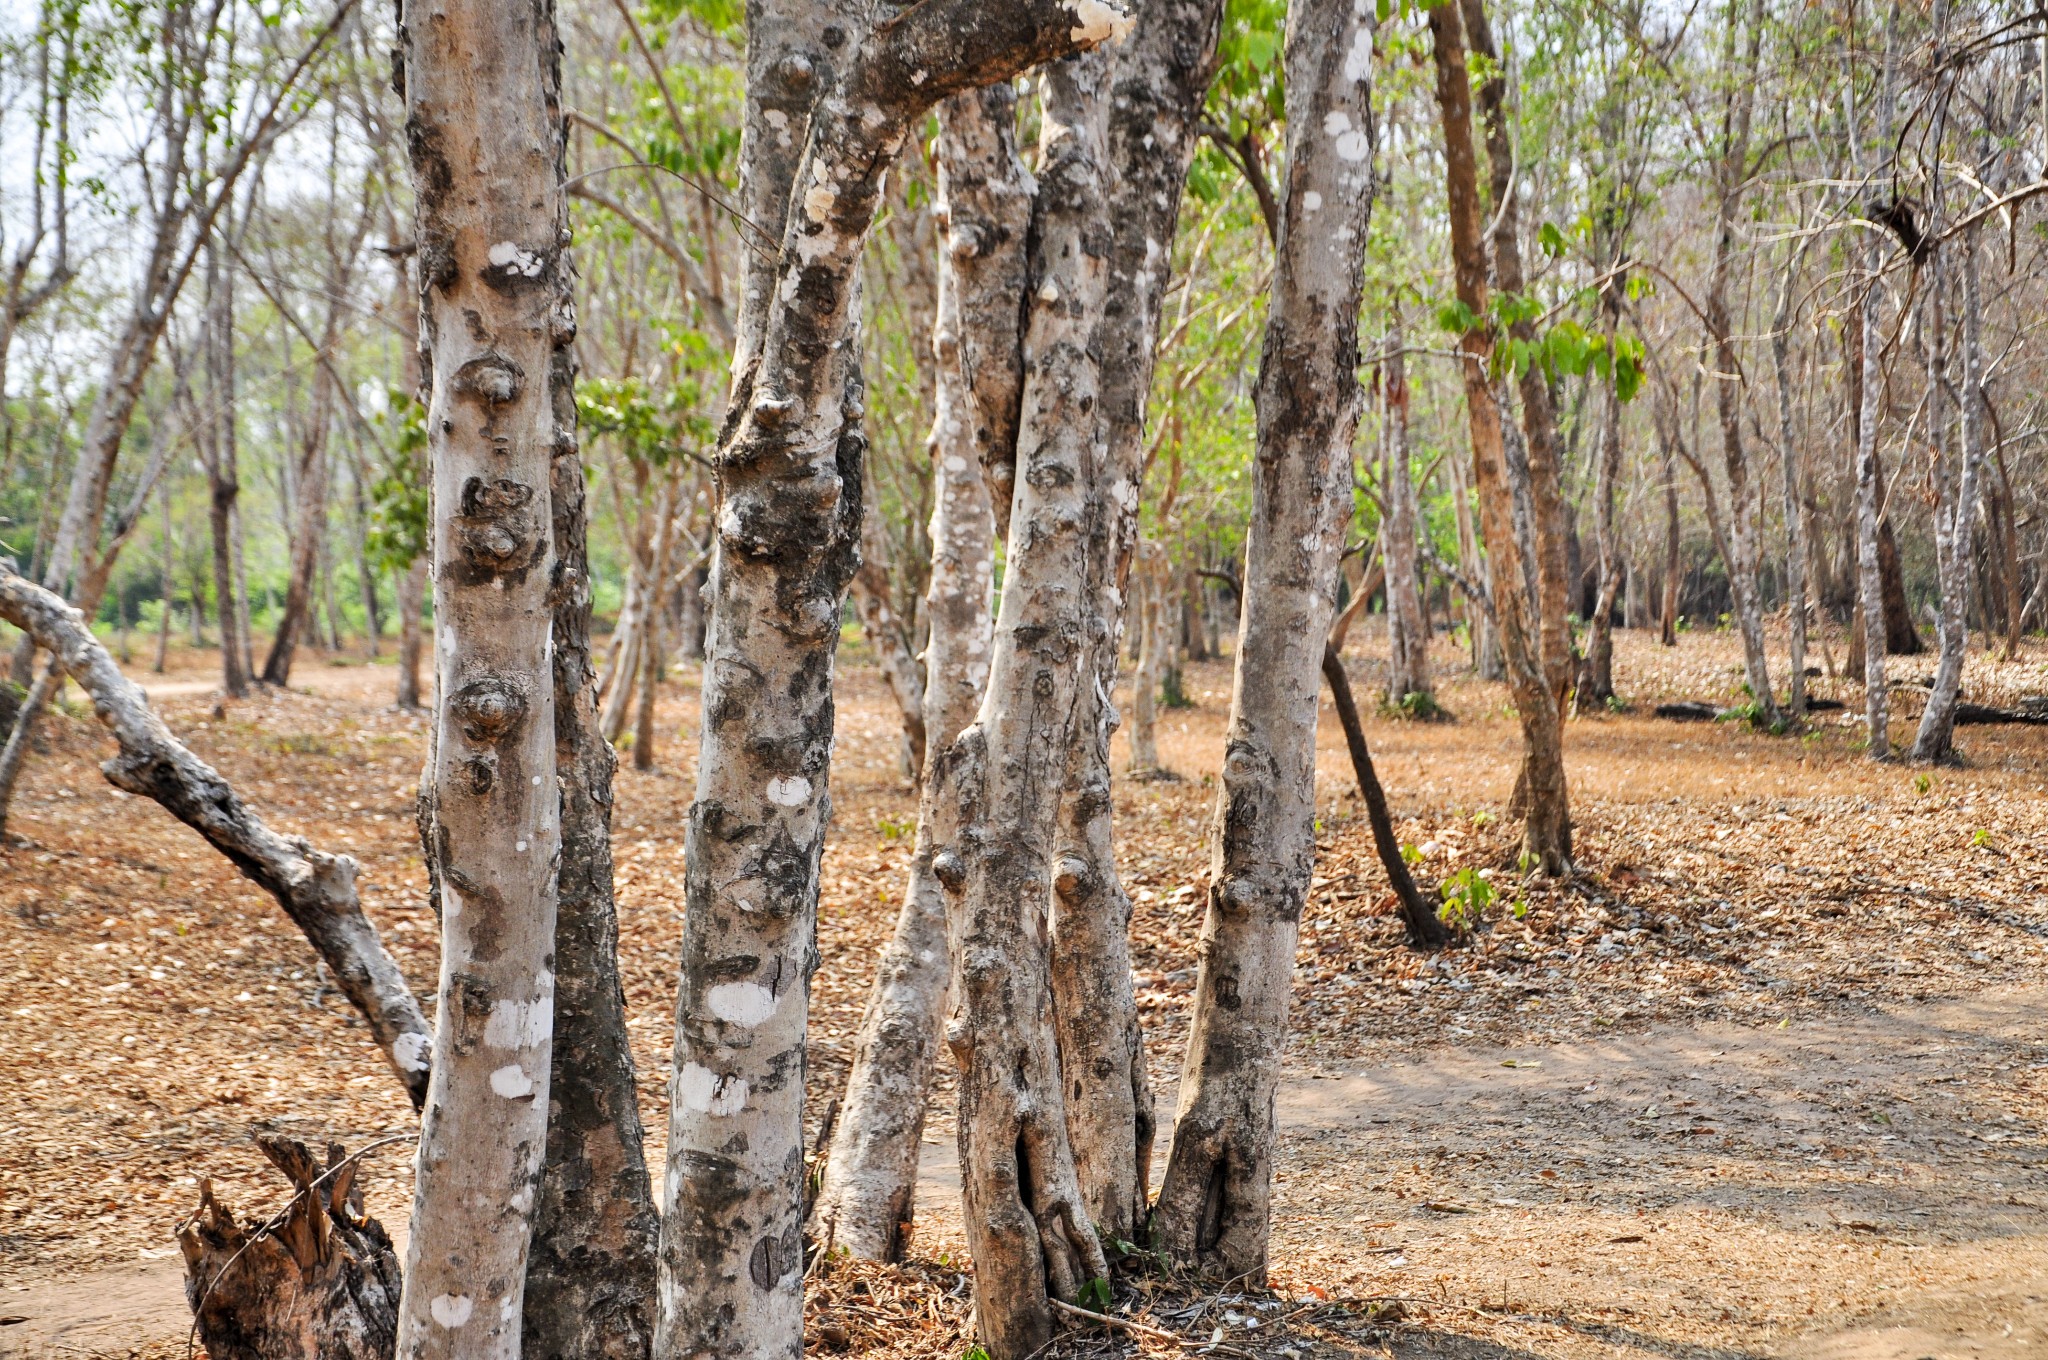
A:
[1765,1079]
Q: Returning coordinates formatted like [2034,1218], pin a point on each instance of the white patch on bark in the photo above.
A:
[511,1082]
[704,1091]
[1311,201]
[1358,61]
[519,1024]
[513,259]
[409,1052]
[790,791]
[741,1003]
[1096,22]
[452,1310]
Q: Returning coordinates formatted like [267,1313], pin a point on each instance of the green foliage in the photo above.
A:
[399,506]
[650,431]
[1095,1295]
[1466,895]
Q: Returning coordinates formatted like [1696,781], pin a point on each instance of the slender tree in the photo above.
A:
[483,101]
[1214,1209]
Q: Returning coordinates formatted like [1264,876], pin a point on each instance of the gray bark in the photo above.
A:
[1955,521]
[590,1275]
[1158,88]
[483,103]
[865,1202]
[1407,636]
[789,468]
[1795,504]
[1214,1209]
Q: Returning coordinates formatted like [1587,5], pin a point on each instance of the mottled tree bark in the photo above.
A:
[789,469]
[1214,1209]
[864,1206]
[317,890]
[1157,90]
[590,1291]
[1955,521]
[887,634]
[1541,789]
[412,596]
[485,127]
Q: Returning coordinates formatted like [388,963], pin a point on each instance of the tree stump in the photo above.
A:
[317,1281]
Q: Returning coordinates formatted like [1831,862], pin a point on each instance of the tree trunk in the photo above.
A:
[1214,1209]
[317,890]
[885,633]
[646,730]
[483,103]
[866,1198]
[169,566]
[1426,929]
[1549,530]
[1407,635]
[1869,476]
[789,472]
[412,594]
[1027,1215]
[1796,594]
[322,1284]
[1153,108]
[1541,789]
[309,533]
[590,1291]
[1149,582]
[1955,521]
[1596,678]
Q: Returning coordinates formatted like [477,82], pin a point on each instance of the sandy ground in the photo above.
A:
[1762,1083]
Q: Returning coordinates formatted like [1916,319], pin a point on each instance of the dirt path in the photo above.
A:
[1700,1193]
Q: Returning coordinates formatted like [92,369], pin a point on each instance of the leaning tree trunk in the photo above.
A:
[788,540]
[317,890]
[1153,110]
[1546,827]
[318,1282]
[590,1274]
[1955,519]
[865,1201]
[483,104]
[1149,585]
[1215,1204]
[1407,637]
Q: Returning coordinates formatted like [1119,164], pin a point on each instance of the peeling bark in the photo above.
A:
[317,890]
[485,128]
[1214,1209]
[789,469]
[864,1205]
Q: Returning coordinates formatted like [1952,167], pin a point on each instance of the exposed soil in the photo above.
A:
[1778,1029]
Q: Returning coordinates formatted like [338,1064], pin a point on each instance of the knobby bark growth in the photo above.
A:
[482,86]
[1214,1208]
